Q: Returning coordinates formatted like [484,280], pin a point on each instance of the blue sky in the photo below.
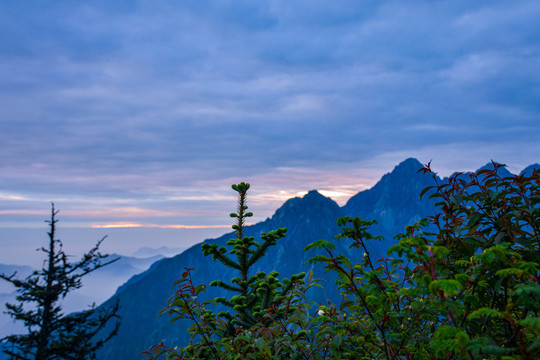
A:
[144,112]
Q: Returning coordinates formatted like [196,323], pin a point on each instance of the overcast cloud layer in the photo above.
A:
[146,111]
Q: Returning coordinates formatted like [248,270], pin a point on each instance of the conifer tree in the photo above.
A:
[260,302]
[52,334]
[256,293]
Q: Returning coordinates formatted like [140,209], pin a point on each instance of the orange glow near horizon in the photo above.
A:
[172,226]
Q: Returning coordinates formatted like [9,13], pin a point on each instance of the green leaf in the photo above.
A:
[527,290]
[462,278]
[338,339]
[462,338]
[259,343]
[320,244]
[474,220]
[484,312]
[440,251]
[449,287]
[531,322]
[318,259]
[197,311]
[425,190]
[463,263]
[510,272]
[176,318]
[493,194]
[200,288]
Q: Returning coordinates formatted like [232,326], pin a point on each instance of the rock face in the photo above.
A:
[393,202]
[529,169]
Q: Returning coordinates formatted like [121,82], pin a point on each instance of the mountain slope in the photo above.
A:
[394,202]
[529,169]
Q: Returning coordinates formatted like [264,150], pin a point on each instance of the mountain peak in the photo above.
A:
[408,166]
[311,204]
[394,198]
[406,170]
[502,171]
[313,194]
[529,169]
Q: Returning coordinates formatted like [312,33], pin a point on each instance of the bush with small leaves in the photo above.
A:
[468,290]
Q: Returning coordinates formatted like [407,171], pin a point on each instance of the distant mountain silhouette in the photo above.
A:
[146,252]
[503,172]
[394,202]
[529,169]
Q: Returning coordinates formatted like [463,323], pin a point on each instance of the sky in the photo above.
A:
[135,117]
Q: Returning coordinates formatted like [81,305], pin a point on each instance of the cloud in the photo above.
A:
[175,226]
[117,106]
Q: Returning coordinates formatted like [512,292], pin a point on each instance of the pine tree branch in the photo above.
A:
[226,286]
[226,260]
[269,239]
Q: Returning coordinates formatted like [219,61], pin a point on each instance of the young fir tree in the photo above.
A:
[260,302]
[51,334]
[256,293]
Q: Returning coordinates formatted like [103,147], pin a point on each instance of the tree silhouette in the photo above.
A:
[51,334]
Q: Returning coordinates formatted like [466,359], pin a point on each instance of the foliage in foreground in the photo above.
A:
[51,334]
[468,290]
